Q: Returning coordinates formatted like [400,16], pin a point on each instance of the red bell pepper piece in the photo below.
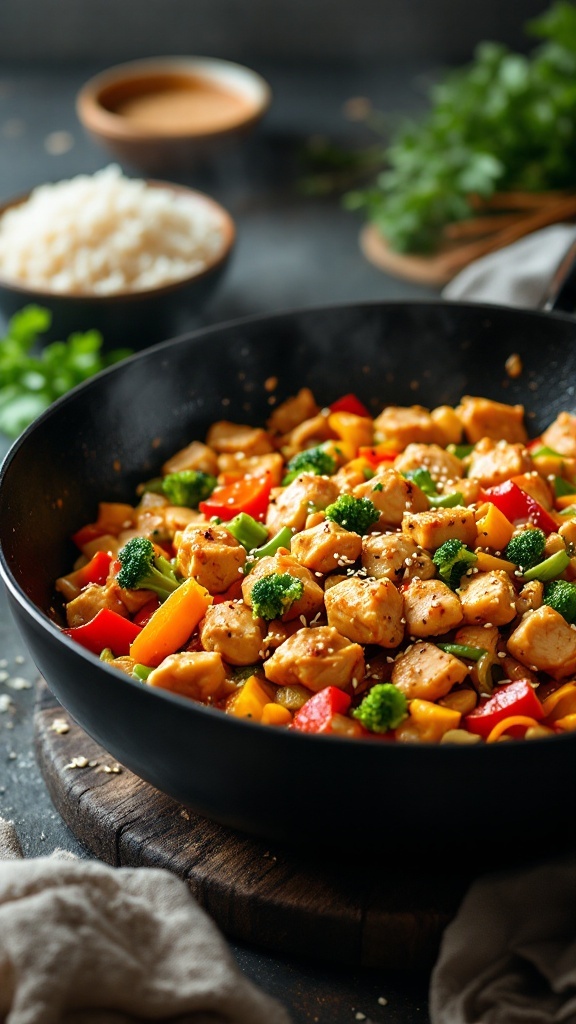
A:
[316,714]
[146,611]
[234,593]
[249,494]
[350,403]
[96,570]
[517,504]
[86,534]
[515,698]
[106,629]
[377,454]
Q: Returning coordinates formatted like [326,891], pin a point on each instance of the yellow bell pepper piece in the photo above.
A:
[172,623]
[275,714]
[567,724]
[487,562]
[560,703]
[494,528]
[526,721]
[354,431]
[251,699]
[430,720]
[564,501]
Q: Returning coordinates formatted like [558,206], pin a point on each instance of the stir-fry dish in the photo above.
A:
[404,578]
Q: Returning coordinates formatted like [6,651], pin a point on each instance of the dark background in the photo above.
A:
[380,30]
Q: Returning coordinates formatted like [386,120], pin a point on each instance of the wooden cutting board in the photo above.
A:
[267,897]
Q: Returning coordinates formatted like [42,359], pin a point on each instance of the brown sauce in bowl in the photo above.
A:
[176,105]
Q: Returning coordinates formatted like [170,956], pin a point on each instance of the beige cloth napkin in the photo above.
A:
[509,955]
[518,275]
[84,943]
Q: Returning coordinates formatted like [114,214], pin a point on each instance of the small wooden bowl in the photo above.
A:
[134,319]
[166,114]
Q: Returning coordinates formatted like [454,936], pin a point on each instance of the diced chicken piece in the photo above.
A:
[493,462]
[307,434]
[230,629]
[366,611]
[150,519]
[478,636]
[290,413]
[430,608]
[351,474]
[91,600]
[486,638]
[468,488]
[331,581]
[291,505]
[531,596]
[195,455]
[538,488]
[253,465]
[178,517]
[430,529]
[312,598]
[568,532]
[554,542]
[561,434]
[124,663]
[483,417]
[393,496]
[317,658]
[425,672]
[488,597]
[200,675]
[224,436]
[442,466]
[104,542]
[545,642]
[211,555]
[394,557]
[406,424]
[448,423]
[325,547]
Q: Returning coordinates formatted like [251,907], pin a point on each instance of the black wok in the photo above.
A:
[507,800]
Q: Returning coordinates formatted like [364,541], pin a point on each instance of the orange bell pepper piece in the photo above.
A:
[168,629]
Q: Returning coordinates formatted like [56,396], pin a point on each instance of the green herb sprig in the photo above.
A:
[505,122]
[31,380]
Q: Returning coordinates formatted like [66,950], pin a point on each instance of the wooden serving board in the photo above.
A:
[267,897]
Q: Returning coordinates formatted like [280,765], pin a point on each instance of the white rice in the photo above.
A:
[104,233]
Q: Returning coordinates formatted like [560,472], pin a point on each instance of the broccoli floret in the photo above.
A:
[526,548]
[143,569]
[272,595]
[188,487]
[452,559]
[312,460]
[561,596]
[383,708]
[355,514]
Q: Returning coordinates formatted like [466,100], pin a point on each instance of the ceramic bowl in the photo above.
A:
[167,114]
[133,319]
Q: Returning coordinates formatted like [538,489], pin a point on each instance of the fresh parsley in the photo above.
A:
[32,376]
[505,122]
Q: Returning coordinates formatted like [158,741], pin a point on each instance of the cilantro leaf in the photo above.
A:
[31,379]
